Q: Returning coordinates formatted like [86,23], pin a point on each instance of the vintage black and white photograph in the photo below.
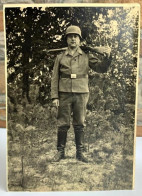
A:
[71,96]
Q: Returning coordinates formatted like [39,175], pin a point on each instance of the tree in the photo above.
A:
[32,31]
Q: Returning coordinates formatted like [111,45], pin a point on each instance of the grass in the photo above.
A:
[32,146]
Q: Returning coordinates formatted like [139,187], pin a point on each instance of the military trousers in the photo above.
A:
[72,106]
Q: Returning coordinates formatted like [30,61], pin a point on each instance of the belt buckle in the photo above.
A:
[73,75]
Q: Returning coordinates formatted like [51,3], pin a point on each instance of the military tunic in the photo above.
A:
[70,84]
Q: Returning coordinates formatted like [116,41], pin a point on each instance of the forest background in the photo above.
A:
[30,32]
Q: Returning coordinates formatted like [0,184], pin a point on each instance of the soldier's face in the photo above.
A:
[73,40]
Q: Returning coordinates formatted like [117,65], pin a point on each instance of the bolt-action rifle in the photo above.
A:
[84,48]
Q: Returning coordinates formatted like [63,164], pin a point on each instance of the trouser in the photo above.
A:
[75,104]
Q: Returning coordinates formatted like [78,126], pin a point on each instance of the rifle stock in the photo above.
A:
[56,50]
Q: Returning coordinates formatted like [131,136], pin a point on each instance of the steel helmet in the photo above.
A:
[73,29]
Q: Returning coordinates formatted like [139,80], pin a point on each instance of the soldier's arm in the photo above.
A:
[55,80]
[100,62]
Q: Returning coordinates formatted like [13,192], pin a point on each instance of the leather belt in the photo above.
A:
[73,76]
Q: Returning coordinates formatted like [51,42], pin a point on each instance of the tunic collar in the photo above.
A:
[78,51]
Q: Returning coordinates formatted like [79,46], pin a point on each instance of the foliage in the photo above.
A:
[32,146]
[30,32]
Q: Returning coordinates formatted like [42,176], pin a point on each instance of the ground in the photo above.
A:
[32,146]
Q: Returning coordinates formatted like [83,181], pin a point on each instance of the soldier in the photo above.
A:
[69,89]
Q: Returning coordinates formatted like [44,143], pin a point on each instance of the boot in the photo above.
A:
[61,142]
[79,138]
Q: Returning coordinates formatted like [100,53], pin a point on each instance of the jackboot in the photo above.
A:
[79,139]
[61,143]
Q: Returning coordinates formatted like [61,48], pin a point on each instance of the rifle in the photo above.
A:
[84,48]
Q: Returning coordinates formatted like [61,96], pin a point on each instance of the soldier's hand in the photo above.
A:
[106,50]
[55,102]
